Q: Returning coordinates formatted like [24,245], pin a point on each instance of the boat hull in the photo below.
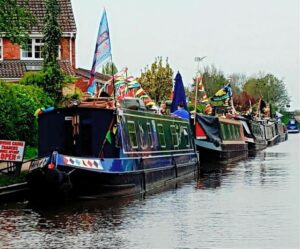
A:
[65,182]
[224,154]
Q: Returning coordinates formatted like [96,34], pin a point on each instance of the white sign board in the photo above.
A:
[12,151]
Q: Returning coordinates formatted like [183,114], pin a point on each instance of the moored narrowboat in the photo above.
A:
[292,126]
[254,135]
[271,134]
[92,151]
[219,140]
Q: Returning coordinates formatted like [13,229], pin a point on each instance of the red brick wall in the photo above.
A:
[65,49]
[10,51]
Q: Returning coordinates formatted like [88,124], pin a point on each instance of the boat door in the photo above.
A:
[71,132]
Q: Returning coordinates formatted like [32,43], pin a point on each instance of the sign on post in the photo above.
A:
[11,151]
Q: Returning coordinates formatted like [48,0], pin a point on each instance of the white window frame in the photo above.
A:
[1,48]
[149,135]
[174,134]
[132,132]
[33,44]
[185,132]
[163,135]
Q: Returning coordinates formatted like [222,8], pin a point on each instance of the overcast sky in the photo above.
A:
[237,36]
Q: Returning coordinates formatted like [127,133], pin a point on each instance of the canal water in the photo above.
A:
[250,204]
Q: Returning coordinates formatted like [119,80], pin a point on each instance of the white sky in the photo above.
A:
[237,36]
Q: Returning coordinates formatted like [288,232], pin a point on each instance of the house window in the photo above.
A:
[33,49]
[1,49]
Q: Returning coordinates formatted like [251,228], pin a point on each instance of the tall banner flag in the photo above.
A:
[102,51]
[179,94]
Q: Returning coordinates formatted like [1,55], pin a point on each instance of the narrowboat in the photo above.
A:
[281,131]
[219,140]
[271,135]
[254,135]
[94,150]
[292,126]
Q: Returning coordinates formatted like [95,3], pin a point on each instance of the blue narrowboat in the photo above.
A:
[93,150]
[292,126]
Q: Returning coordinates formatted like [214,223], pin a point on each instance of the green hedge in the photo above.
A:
[17,106]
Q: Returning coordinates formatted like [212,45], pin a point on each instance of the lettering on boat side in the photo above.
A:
[39,163]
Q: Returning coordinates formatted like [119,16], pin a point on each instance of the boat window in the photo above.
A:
[223,132]
[132,134]
[174,136]
[150,140]
[236,132]
[161,135]
[143,136]
[186,137]
[229,129]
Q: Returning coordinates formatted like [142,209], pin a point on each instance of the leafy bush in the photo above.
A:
[30,152]
[33,78]
[51,80]
[17,106]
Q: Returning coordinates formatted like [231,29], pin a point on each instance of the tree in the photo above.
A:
[53,75]
[270,88]
[157,81]
[109,69]
[15,21]
[213,80]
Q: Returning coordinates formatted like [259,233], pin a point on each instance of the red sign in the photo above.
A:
[11,150]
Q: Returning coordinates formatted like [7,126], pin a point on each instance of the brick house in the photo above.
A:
[15,61]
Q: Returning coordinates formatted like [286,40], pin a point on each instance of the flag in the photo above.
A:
[108,137]
[102,51]
[179,94]
[223,93]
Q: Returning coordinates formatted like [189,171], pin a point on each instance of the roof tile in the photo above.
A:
[66,17]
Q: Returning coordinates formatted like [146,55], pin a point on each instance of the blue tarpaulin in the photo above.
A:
[179,94]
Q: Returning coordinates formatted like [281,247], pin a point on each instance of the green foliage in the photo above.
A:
[109,69]
[6,180]
[17,106]
[53,82]
[270,88]
[53,78]
[199,108]
[30,152]
[52,33]
[33,78]
[157,81]
[15,21]
[213,80]
[45,80]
